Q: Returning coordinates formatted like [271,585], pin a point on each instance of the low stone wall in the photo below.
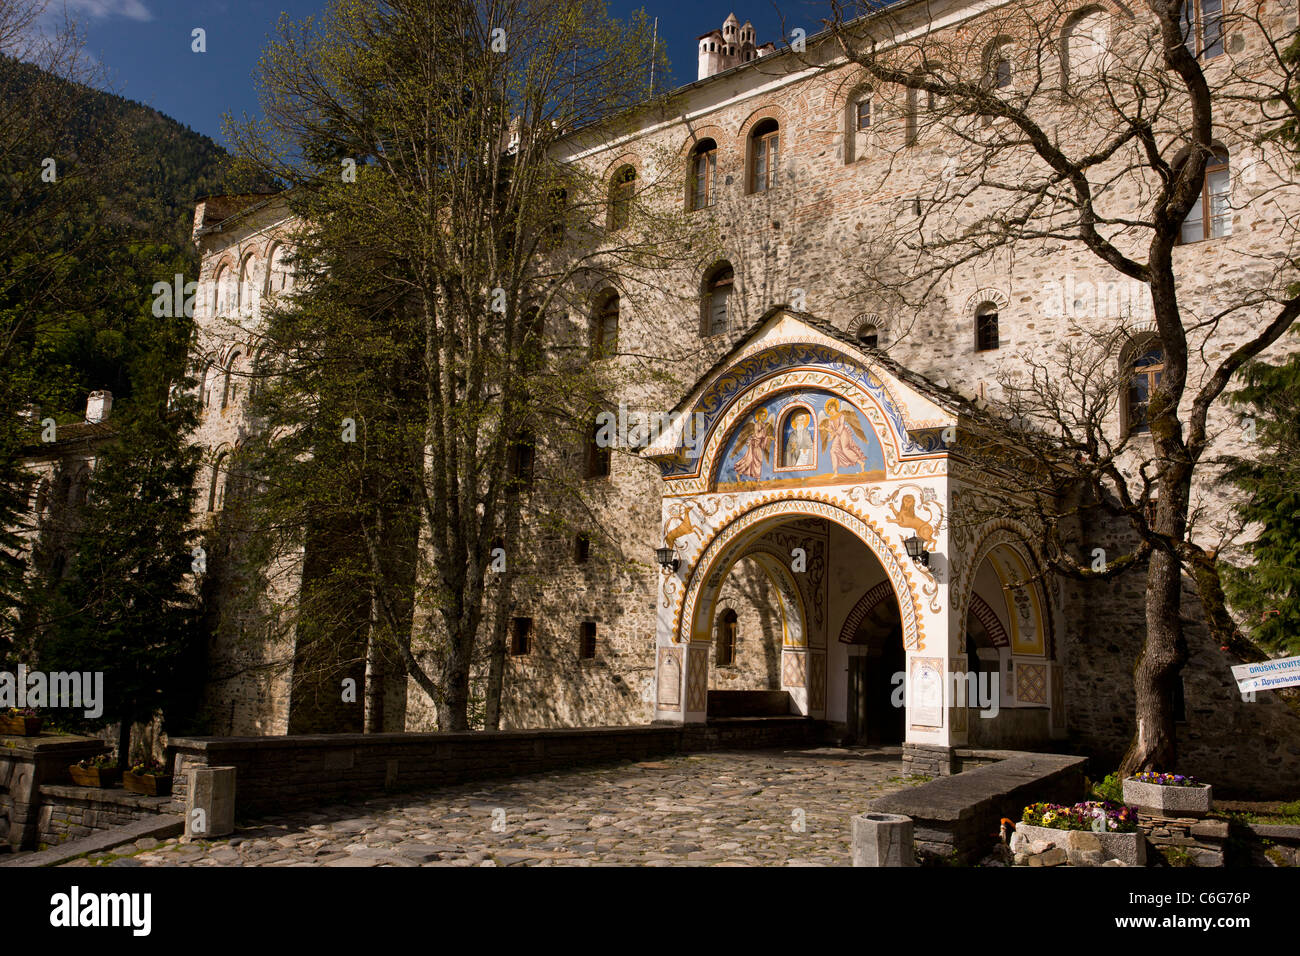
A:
[1202,841]
[1273,844]
[272,773]
[957,817]
[27,764]
[68,813]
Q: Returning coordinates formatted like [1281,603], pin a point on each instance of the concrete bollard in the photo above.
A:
[210,803]
[883,839]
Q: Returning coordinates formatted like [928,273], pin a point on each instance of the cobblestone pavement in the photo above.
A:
[734,808]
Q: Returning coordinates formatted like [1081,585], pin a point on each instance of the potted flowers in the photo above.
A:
[1170,794]
[98,771]
[1095,831]
[148,777]
[20,723]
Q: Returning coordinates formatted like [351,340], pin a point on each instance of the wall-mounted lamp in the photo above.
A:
[667,558]
[916,551]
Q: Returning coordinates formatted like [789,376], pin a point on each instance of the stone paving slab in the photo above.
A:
[726,808]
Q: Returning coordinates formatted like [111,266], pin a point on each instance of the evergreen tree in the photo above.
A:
[1267,592]
[127,607]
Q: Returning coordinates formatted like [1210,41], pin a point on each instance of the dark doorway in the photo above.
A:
[875,659]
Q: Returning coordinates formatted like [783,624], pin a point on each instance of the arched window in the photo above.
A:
[621,190]
[604,326]
[207,379]
[217,489]
[869,335]
[223,290]
[79,488]
[986,327]
[858,116]
[1087,42]
[704,167]
[1203,28]
[230,389]
[765,155]
[279,274]
[725,645]
[1144,373]
[1216,196]
[997,64]
[716,299]
[247,284]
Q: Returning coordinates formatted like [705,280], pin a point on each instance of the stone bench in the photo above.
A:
[957,817]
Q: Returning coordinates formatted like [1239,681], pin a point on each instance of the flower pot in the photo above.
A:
[149,784]
[93,777]
[1193,801]
[21,726]
[1081,846]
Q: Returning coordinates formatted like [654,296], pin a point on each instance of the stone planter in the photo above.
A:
[1194,801]
[1084,847]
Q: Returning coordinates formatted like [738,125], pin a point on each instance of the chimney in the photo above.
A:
[98,405]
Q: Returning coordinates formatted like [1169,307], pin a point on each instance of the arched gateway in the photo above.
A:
[834,474]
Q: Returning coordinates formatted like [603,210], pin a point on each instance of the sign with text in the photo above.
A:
[1268,675]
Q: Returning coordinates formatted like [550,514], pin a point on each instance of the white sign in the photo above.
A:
[1268,675]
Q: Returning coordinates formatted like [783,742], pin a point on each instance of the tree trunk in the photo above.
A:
[124,743]
[1154,746]
[375,674]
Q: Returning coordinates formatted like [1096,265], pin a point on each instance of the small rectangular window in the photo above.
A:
[864,114]
[987,331]
[587,640]
[521,636]
[582,548]
[598,456]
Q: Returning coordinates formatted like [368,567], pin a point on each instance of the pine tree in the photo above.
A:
[127,607]
[1267,592]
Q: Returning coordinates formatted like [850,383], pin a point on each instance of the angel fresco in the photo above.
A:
[756,439]
[838,426]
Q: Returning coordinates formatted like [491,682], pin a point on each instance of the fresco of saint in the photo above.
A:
[799,451]
[838,427]
[755,447]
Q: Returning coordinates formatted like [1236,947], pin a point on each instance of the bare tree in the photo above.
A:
[1065,130]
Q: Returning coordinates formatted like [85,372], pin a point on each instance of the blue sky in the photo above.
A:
[145,44]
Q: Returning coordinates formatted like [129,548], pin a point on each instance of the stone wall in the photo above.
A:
[26,764]
[272,773]
[68,813]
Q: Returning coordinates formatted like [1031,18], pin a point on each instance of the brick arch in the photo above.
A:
[718,134]
[768,111]
[983,613]
[876,596]
[626,159]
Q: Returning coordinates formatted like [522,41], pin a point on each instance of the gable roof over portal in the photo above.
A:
[918,409]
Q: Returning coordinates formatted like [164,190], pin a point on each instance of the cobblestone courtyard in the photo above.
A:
[743,808]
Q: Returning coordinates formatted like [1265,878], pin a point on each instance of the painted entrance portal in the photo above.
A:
[811,464]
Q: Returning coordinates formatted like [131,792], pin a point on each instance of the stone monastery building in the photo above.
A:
[828,548]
